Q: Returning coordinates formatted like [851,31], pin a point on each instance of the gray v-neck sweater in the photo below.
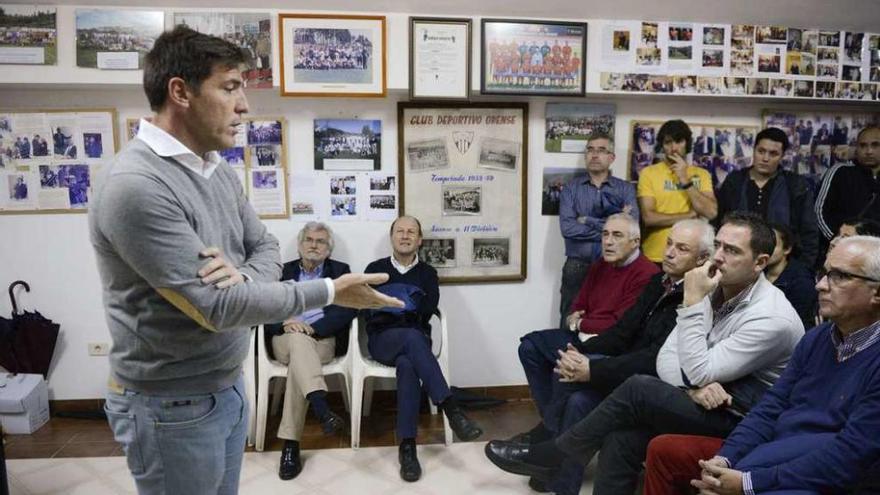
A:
[171,334]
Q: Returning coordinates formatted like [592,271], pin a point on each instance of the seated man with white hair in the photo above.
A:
[307,341]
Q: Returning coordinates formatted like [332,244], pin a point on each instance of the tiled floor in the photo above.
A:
[76,456]
[459,469]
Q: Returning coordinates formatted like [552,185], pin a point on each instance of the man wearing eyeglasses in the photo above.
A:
[584,205]
[305,342]
[778,196]
[851,190]
[818,429]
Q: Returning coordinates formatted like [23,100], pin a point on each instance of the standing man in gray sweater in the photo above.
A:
[179,324]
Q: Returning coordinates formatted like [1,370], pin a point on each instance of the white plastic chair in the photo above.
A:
[267,369]
[363,367]
[250,382]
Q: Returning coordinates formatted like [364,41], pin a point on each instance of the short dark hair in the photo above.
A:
[189,55]
[601,135]
[787,236]
[864,226]
[418,224]
[763,239]
[773,134]
[677,130]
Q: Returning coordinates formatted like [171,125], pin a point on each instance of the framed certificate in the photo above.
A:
[439,58]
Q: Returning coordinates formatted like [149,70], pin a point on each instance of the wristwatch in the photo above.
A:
[686,185]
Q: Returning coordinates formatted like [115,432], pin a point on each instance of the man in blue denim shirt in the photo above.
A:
[583,207]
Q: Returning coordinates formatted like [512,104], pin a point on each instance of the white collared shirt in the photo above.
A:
[167,146]
[401,268]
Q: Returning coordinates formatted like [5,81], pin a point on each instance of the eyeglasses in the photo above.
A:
[836,277]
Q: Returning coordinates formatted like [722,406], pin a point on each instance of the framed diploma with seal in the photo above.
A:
[439,58]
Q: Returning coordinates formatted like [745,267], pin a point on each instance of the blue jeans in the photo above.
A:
[538,355]
[190,444]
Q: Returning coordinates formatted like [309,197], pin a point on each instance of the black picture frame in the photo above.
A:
[502,74]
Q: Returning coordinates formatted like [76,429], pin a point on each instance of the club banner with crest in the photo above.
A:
[463,172]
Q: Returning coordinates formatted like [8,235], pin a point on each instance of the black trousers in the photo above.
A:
[623,424]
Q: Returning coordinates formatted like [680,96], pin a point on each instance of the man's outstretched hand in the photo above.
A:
[353,291]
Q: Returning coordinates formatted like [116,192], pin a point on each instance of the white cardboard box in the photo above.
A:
[24,403]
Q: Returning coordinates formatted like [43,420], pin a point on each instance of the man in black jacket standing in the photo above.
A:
[851,190]
[777,195]
[592,369]
[307,341]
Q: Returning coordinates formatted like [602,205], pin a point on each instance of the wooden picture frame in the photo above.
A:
[439,58]
[463,172]
[525,57]
[332,55]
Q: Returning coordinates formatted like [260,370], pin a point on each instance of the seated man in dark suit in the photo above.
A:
[307,341]
[402,338]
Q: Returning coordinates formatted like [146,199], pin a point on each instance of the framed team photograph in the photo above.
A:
[439,58]
[528,57]
[332,55]
[113,39]
[28,35]
[462,171]
[348,144]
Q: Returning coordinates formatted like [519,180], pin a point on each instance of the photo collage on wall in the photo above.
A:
[717,148]
[819,140]
[49,161]
[738,60]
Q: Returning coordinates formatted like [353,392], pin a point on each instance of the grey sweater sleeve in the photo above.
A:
[148,228]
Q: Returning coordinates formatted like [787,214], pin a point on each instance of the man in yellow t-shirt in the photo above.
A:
[672,190]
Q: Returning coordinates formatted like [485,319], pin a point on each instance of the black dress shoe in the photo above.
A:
[291,464]
[332,424]
[410,469]
[511,457]
[463,427]
[538,485]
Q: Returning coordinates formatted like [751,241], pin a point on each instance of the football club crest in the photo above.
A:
[463,140]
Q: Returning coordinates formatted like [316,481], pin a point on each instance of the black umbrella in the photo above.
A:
[27,341]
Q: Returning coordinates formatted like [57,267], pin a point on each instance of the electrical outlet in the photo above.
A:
[98,348]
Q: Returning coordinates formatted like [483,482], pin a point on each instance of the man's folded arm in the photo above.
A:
[151,234]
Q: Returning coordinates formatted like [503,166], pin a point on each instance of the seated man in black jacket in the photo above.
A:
[307,341]
[402,338]
[592,369]
[795,279]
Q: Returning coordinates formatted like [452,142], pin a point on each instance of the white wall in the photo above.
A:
[52,252]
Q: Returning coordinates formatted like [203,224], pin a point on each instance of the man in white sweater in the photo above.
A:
[734,334]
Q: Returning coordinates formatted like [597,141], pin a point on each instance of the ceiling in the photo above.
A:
[855,15]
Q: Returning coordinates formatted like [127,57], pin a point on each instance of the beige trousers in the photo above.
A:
[303,356]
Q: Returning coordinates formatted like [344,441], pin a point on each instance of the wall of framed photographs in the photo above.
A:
[485,319]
